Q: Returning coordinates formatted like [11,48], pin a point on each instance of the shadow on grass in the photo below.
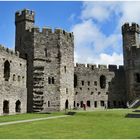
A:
[136,111]
[129,115]
[43,113]
[70,113]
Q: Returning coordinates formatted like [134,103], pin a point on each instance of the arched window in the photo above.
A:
[52,80]
[49,80]
[6,70]
[14,77]
[6,106]
[18,106]
[74,104]
[48,103]
[65,69]
[46,52]
[75,80]
[102,81]
[18,78]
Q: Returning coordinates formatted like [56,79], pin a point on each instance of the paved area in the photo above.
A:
[32,120]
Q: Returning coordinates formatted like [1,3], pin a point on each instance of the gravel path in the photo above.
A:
[32,120]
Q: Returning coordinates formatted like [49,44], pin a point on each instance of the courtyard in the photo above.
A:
[103,124]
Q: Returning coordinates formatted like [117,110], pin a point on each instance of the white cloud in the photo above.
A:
[130,12]
[92,45]
[110,59]
[99,11]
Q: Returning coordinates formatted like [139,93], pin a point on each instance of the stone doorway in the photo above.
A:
[66,104]
[81,104]
[18,106]
[6,106]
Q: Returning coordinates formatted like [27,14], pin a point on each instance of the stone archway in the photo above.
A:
[18,106]
[5,106]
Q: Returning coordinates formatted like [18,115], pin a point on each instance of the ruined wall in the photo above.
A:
[96,92]
[13,82]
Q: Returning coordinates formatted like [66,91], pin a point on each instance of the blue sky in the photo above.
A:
[53,14]
[96,25]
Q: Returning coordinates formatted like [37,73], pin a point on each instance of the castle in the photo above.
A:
[40,75]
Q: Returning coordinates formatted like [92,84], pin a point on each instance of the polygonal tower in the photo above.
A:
[50,64]
[131,52]
[24,21]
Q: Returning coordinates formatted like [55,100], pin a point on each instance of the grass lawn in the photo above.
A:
[83,125]
[8,118]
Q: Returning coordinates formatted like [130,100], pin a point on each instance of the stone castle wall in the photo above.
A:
[12,88]
[88,88]
[51,51]
[45,65]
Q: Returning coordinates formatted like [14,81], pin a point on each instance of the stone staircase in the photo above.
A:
[135,103]
[38,88]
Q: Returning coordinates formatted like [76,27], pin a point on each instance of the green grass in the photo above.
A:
[8,118]
[98,124]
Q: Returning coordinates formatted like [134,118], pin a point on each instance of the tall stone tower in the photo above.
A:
[50,64]
[131,52]
[24,21]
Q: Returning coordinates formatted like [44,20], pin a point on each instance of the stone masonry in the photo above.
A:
[99,87]
[13,93]
[41,77]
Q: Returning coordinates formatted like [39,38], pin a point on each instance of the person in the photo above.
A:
[84,106]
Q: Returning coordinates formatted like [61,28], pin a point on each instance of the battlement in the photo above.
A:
[7,50]
[48,30]
[91,66]
[130,28]
[24,14]
[99,67]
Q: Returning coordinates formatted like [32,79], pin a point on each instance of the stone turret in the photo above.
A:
[25,17]
[131,53]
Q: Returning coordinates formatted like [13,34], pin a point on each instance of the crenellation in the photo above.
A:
[91,66]
[36,29]
[130,28]
[58,31]
[24,15]
[121,67]
[80,65]
[9,51]
[102,67]
[112,67]
[24,12]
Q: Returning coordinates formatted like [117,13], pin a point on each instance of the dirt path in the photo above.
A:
[32,120]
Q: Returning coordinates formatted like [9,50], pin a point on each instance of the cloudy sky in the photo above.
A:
[96,25]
